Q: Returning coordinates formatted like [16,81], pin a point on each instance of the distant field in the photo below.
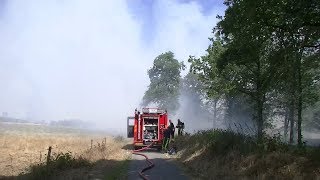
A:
[26,128]
[26,144]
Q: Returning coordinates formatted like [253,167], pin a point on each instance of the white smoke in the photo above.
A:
[87,60]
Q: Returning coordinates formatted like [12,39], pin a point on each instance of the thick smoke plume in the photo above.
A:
[88,60]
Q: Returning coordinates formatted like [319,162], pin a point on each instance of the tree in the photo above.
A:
[164,82]
[197,104]
[263,39]
[191,86]
[206,71]
[250,61]
[295,25]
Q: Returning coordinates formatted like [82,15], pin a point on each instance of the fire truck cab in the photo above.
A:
[147,127]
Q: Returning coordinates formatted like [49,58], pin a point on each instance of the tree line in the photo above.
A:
[263,61]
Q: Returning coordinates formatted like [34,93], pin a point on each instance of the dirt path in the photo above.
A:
[164,167]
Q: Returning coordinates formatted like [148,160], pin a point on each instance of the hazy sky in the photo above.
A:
[88,60]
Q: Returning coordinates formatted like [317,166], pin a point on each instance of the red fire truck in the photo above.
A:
[147,127]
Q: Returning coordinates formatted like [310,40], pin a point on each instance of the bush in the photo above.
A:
[60,161]
[66,160]
[224,141]
[271,144]
[119,138]
[221,142]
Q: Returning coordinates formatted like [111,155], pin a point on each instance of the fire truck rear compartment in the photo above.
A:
[150,130]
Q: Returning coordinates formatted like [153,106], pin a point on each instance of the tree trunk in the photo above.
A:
[214,114]
[228,114]
[286,124]
[291,119]
[260,101]
[299,102]
[292,101]
[260,117]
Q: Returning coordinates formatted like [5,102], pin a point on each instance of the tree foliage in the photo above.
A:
[164,82]
[263,62]
[265,50]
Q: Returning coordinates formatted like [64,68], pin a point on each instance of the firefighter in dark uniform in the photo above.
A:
[180,127]
[172,129]
[166,138]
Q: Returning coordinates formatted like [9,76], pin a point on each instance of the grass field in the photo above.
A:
[23,145]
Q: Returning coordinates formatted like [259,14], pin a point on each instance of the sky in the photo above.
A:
[88,60]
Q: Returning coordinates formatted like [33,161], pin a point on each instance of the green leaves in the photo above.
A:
[264,49]
[206,68]
[164,82]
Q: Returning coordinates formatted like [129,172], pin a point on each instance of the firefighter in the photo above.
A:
[166,138]
[172,129]
[180,127]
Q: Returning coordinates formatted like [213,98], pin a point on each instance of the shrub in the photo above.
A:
[221,142]
[119,138]
[224,141]
[60,161]
[271,144]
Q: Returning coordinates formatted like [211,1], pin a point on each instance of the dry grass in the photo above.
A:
[223,155]
[26,145]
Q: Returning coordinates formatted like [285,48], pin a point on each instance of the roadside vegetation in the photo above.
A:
[224,154]
[56,164]
[260,73]
[261,70]
[92,164]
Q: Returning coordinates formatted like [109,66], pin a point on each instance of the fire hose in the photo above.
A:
[150,163]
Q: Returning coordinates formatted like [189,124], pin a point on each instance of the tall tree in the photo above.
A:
[196,105]
[250,61]
[268,50]
[295,25]
[263,37]
[206,71]
[164,82]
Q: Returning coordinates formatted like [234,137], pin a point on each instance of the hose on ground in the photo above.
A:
[150,163]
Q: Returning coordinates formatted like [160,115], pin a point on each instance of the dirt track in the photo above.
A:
[165,168]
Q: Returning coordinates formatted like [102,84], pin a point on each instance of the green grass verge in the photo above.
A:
[119,171]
